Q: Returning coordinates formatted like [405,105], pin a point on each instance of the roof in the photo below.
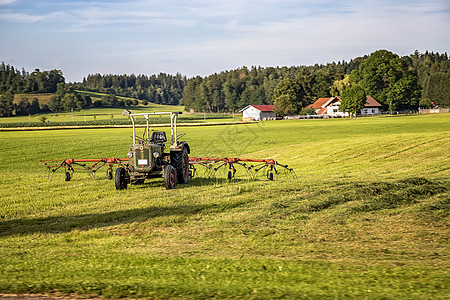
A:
[260,107]
[370,102]
[319,103]
[263,107]
[324,102]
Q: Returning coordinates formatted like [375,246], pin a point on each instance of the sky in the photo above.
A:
[199,37]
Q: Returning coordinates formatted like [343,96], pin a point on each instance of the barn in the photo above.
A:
[257,112]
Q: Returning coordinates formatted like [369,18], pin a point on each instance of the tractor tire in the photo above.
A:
[120,179]
[170,177]
[67,176]
[180,161]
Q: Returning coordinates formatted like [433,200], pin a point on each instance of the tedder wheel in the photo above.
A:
[67,177]
[170,177]
[230,175]
[270,176]
[119,179]
[109,174]
[180,160]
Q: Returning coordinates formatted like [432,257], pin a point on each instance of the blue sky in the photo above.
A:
[200,37]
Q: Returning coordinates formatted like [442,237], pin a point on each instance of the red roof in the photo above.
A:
[370,102]
[320,102]
[263,107]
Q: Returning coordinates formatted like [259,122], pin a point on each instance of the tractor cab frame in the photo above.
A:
[148,159]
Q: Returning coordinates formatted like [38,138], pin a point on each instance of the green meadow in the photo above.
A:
[88,117]
[367,216]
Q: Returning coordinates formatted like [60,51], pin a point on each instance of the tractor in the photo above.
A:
[148,157]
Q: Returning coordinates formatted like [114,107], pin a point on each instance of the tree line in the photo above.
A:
[15,81]
[235,89]
[396,82]
[159,89]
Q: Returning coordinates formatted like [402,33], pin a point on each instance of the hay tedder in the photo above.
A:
[148,158]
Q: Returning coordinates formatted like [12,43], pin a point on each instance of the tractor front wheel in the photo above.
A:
[120,179]
[180,160]
[170,177]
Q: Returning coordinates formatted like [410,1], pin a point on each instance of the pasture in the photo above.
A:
[91,115]
[367,216]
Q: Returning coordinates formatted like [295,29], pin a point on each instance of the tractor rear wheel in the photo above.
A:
[170,177]
[180,160]
[120,179]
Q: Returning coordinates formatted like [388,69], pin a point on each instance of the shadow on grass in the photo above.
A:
[61,224]
[196,181]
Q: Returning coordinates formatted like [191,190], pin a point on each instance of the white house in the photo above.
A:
[330,107]
[372,107]
[257,112]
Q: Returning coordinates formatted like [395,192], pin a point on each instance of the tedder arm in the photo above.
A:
[88,165]
[252,166]
[211,165]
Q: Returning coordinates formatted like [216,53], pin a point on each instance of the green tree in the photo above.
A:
[23,107]
[7,104]
[54,104]
[70,101]
[387,78]
[353,98]
[283,105]
[304,80]
[289,97]
[35,107]
[339,85]
[437,89]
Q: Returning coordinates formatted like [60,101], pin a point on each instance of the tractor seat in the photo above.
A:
[158,137]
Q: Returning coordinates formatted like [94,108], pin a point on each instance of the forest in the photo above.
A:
[396,82]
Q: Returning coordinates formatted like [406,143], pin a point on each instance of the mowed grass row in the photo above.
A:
[367,215]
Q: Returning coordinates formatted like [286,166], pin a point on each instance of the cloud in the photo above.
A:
[204,36]
[6,2]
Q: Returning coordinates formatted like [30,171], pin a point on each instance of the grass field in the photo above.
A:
[367,217]
[115,114]
[98,114]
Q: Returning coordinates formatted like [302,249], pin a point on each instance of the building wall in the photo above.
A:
[251,113]
[267,115]
[254,114]
[334,111]
[370,111]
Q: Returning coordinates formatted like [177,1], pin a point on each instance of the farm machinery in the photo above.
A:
[150,156]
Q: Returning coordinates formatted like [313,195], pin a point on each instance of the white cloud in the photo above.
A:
[205,36]
[6,2]
[19,17]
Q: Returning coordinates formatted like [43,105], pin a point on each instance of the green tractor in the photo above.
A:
[148,159]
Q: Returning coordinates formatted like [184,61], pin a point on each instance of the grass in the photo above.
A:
[367,217]
[92,115]
[43,98]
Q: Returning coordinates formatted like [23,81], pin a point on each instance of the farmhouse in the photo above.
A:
[257,112]
[330,107]
[372,107]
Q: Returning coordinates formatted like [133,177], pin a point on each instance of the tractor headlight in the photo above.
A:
[130,154]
